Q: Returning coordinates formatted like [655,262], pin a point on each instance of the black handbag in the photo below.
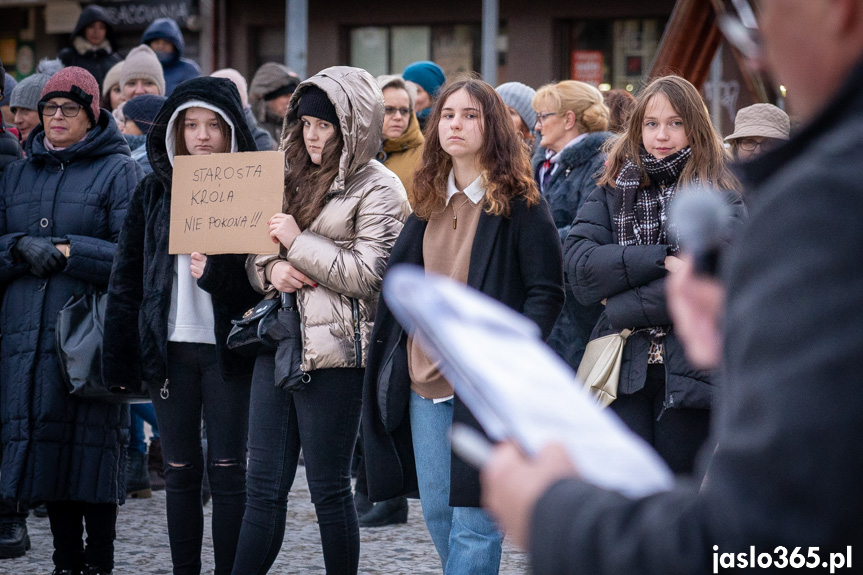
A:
[80,325]
[285,331]
[247,334]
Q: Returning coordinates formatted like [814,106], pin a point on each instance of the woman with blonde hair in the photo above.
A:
[620,251]
[572,120]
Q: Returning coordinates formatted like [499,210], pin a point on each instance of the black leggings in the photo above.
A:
[67,520]
[677,435]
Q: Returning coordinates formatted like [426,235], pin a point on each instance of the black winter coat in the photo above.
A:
[515,260]
[140,290]
[574,180]
[56,447]
[99,61]
[633,280]
[789,460]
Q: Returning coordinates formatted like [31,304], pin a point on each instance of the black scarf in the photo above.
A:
[641,212]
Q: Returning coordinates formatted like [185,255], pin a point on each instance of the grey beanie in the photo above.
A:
[9,86]
[520,97]
[28,92]
[142,63]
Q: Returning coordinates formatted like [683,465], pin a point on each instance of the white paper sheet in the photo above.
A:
[515,385]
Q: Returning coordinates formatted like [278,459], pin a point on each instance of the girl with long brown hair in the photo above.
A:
[621,249]
[478,218]
[343,213]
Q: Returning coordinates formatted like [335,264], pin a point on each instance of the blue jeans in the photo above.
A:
[139,413]
[196,386]
[466,538]
[324,418]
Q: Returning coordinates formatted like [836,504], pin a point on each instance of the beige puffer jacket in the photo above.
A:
[345,250]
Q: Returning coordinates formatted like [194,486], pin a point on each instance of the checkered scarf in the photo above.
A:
[642,211]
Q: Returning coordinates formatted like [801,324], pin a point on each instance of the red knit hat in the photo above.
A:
[78,85]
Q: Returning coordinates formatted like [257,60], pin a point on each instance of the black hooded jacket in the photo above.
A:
[97,61]
[141,279]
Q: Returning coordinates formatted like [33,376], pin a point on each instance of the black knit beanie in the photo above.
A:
[315,103]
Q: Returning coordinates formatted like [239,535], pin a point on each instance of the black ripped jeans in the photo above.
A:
[196,387]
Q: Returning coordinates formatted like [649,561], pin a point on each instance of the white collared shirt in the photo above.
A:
[475,192]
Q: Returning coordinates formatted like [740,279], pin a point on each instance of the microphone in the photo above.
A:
[700,217]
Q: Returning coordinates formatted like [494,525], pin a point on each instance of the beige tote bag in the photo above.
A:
[599,369]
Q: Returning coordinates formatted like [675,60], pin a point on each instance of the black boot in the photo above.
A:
[155,465]
[14,541]
[389,512]
[362,503]
[137,479]
[92,570]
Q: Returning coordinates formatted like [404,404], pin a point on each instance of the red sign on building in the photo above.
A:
[586,66]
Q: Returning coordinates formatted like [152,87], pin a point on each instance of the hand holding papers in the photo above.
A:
[515,385]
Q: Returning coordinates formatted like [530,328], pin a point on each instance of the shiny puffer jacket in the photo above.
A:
[346,248]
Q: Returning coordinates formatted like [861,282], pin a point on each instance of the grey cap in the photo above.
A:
[761,121]
[392,81]
[520,97]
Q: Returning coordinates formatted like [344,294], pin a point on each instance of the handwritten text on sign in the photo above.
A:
[220,203]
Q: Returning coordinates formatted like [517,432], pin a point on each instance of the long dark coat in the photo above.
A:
[574,180]
[517,261]
[56,447]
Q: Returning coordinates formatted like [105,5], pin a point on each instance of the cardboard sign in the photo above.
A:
[220,203]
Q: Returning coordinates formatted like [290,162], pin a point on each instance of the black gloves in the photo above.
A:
[40,254]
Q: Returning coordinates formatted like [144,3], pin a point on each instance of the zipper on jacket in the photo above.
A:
[358,337]
[164,393]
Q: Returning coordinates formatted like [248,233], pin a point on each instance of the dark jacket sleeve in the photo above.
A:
[643,306]
[596,266]
[11,267]
[541,267]
[225,275]
[90,259]
[121,354]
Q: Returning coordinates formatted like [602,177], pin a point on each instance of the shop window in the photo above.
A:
[613,53]
[388,49]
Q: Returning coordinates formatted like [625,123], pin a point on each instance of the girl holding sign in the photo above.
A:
[182,306]
[344,212]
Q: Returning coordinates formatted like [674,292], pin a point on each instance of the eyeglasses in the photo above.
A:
[391,111]
[540,116]
[69,109]
[749,145]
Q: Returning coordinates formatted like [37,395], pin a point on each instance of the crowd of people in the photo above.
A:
[554,201]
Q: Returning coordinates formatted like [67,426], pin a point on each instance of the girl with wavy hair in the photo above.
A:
[478,218]
[621,250]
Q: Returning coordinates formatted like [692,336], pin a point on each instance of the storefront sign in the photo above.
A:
[587,66]
[138,14]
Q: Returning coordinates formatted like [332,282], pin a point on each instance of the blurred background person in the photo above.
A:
[93,46]
[25,98]
[6,113]
[112,91]
[402,145]
[142,74]
[427,77]
[262,138]
[757,129]
[620,104]
[518,98]
[61,211]
[571,119]
[269,95]
[166,39]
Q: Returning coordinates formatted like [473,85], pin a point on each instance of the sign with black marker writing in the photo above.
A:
[220,203]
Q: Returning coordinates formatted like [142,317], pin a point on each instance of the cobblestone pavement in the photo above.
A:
[142,542]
